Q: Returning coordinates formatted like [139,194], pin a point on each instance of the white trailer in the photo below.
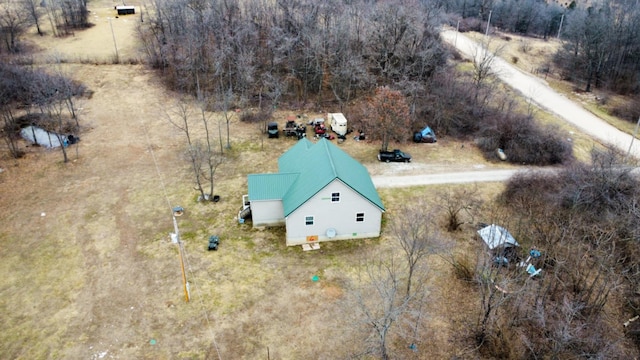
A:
[338,123]
[125,10]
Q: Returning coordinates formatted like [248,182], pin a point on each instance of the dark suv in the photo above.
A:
[272,130]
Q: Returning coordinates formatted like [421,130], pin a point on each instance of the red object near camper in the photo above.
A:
[320,129]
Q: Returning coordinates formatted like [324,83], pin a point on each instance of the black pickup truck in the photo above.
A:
[395,155]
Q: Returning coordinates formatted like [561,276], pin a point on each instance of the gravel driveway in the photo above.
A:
[542,95]
[539,92]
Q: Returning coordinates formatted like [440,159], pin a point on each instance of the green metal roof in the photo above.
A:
[269,186]
[320,164]
[307,168]
[293,159]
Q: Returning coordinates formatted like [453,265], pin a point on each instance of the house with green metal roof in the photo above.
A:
[320,193]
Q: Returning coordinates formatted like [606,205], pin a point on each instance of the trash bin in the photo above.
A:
[214,241]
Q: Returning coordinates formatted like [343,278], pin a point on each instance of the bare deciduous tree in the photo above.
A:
[13,23]
[415,228]
[181,119]
[200,152]
[211,158]
[483,73]
[381,301]
[388,116]
[32,8]
[460,206]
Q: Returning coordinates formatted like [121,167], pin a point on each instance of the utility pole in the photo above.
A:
[486,32]
[455,41]
[560,27]
[635,132]
[185,284]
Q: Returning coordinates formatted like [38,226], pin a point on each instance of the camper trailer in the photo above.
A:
[125,10]
[338,123]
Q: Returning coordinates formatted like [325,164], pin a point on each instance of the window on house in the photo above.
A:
[335,197]
[308,220]
[359,217]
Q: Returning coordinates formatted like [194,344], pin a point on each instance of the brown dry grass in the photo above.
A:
[97,276]
[90,272]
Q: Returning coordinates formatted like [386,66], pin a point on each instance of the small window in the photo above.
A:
[308,220]
[335,197]
[359,217]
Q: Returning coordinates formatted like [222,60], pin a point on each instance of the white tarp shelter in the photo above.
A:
[496,236]
[41,137]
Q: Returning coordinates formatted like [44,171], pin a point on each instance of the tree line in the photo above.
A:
[34,97]
[62,16]
[327,50]
[339,54]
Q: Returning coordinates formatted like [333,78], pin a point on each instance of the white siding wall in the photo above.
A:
[340,216]
[267,213]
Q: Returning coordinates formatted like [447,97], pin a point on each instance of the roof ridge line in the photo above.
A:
[330,156]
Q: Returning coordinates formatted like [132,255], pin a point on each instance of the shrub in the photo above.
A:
[470,24]
[525,142]
[629,111]
[463,268]
[527,190]
[253,117]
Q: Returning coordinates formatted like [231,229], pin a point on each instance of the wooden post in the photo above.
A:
[185,284]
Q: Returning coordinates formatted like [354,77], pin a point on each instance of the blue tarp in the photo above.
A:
[425,135]
[426,132]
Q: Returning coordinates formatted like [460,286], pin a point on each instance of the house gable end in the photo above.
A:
[320,164]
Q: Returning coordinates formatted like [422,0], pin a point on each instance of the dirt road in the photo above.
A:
[542,95]
[445,178]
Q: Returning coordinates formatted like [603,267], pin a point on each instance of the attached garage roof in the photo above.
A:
[269,186]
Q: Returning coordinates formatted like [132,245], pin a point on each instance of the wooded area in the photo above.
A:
[601,44]
[46,101]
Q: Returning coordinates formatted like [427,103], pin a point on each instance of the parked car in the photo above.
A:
[426,135]
[395,155]
[272,130]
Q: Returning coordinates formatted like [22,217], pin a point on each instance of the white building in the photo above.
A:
[320,193]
